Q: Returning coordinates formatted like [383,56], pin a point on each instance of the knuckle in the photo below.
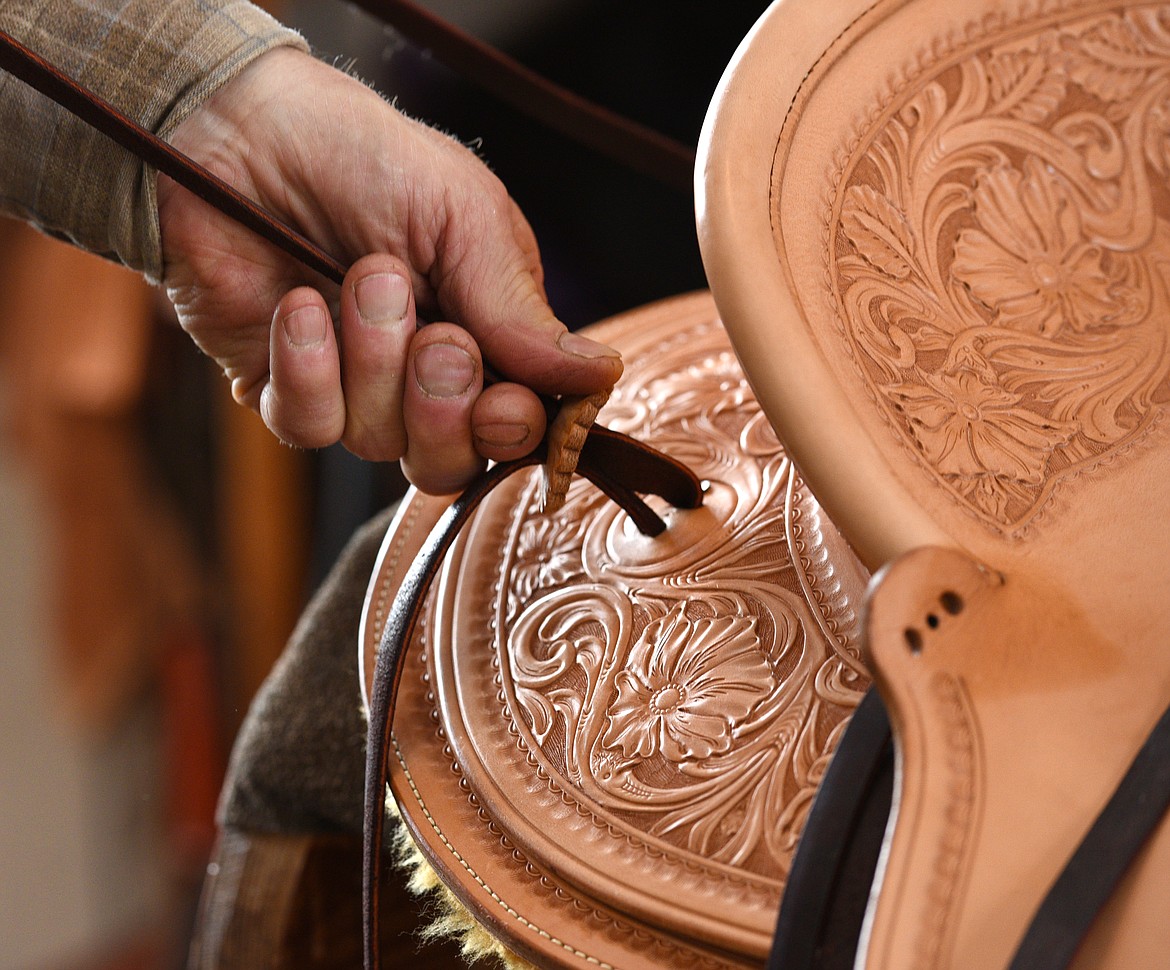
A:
[439,481]
[374,443]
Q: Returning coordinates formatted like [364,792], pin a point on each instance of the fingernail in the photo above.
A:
[579,346]
[503,435]
[443,370]
[305,327]
[382,298]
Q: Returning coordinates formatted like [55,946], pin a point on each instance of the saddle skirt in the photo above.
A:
[607,744]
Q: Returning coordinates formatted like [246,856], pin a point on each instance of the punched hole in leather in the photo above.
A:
[824,903]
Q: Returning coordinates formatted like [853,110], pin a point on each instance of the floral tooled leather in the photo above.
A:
[936,232]
[688,686]
[997,255]
[638,724]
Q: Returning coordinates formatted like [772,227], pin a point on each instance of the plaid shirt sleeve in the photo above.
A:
[157,61]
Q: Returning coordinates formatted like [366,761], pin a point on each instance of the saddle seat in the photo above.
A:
[605,743]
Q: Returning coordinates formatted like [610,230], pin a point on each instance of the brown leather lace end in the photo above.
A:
[566,437]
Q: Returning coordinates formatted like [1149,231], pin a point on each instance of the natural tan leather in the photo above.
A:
[1001,694]
[937,233]
[606,744]
[565,439]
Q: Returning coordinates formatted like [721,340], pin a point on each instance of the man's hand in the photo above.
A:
[426,227]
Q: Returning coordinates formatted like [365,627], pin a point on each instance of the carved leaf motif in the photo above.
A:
[1006,70]
[539,710]
[1109,61]
[1030,342]
[878,230]
[1025,86]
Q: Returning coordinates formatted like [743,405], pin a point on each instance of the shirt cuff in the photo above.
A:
[156,62]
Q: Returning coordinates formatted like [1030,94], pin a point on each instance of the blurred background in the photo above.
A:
[157,544]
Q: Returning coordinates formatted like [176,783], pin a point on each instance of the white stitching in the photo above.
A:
[483,885]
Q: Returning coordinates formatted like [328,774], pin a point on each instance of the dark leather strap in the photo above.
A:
[1092,874]
[828,886]
[637,147]
[820,914]
[643,469]
[35,71]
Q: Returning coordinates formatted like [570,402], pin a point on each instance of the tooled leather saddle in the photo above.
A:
[934,233]
[631,731]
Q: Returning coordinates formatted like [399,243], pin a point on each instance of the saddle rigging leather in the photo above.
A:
[824,901]
[1100,861]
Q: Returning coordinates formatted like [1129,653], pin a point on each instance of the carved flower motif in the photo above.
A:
[547,555]
[687,685]
[1030,261]
[970,427]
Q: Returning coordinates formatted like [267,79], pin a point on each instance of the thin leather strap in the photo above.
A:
[637,147]
[835,861]
[1101,860]
[635,463]
[613,460]
[651,472]
[35,71]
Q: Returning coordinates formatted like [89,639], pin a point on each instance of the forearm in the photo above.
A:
[156,60]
